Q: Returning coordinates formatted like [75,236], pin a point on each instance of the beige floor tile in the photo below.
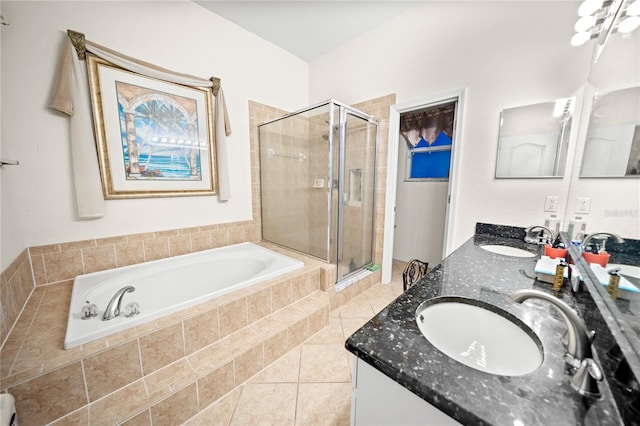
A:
[324,363]
[351,325]
[324,404]
[266,404]
[330,334]
[357,307]
[284,370]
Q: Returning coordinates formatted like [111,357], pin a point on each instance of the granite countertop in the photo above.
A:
[392,343]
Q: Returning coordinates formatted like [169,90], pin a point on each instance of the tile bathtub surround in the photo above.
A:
[16,285]
[120,376]
[58,262]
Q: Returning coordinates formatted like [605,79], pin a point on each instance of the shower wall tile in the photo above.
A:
[142,419]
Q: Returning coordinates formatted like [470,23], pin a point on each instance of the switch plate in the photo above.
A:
[551,204]
[583,205]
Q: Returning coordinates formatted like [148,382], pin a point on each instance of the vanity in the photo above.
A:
[400,377]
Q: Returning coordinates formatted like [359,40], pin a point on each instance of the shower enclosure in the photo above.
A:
[317,174]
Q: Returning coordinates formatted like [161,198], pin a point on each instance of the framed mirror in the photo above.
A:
[612,144]
[533,140]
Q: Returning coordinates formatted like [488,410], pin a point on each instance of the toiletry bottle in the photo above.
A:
[559,278]
[614,282]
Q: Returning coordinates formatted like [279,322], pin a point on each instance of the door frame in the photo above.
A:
[392,172]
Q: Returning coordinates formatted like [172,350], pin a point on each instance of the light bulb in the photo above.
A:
[585,23]
[634,8]
[580,38]
[589,7]
[629,24]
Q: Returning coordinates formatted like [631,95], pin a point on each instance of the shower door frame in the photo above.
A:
[336,224]
[339,250]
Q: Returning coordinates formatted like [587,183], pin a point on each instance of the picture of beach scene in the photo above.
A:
[159,134]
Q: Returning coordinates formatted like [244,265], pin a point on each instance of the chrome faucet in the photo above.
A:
[529,237]
[599,235]
[579,357]
[113,308]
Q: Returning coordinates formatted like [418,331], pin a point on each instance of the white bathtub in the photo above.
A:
[168,285]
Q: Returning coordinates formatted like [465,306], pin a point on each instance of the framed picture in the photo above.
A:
[154,138]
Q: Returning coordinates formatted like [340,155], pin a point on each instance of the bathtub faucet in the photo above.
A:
[113,308]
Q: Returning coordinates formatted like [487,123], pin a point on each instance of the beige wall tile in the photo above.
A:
[161,348]
[249,363]
[99,258]
[232,316]
[201,330]
[112,369]
[64,265]
[142,419]
[297,333]
[156,249]
[218,238]
[50,396]
[179,244]
[259,305]
[120,405]
[176,409]
[275,346]
[280,295]
[216,384]
[77,418]
[39,274]
[130,253]
[38,250]
[200,241]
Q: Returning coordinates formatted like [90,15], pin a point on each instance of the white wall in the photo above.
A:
[420,215]
[38,204]
[506,54]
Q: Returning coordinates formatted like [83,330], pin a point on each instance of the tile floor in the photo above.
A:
[311,384]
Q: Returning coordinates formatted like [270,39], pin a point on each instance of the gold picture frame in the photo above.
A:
[154,138]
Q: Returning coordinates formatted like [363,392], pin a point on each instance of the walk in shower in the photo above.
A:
[317,174]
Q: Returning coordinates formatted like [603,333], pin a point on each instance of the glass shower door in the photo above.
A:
[357,186]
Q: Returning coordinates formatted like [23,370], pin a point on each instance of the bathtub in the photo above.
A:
[168,285]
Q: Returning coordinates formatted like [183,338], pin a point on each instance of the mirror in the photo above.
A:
[533,140]
[614,199]
[612,145]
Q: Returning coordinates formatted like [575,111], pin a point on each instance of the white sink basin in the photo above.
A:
[628,270]
[496,343]
[507,251]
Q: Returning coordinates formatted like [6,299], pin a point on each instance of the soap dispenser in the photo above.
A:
[614,282]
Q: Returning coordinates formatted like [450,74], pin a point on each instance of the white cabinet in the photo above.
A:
[378,400]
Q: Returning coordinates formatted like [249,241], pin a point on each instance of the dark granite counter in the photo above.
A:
[392,343]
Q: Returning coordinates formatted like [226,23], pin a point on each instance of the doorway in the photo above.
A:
[420,206]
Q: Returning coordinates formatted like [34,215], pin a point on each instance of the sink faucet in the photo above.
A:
[603,236]
[579,356]
[529,236]
[113,308]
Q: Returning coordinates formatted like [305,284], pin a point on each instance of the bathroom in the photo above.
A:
[499,52]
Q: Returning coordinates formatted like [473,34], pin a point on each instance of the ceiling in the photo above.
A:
[307,28]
